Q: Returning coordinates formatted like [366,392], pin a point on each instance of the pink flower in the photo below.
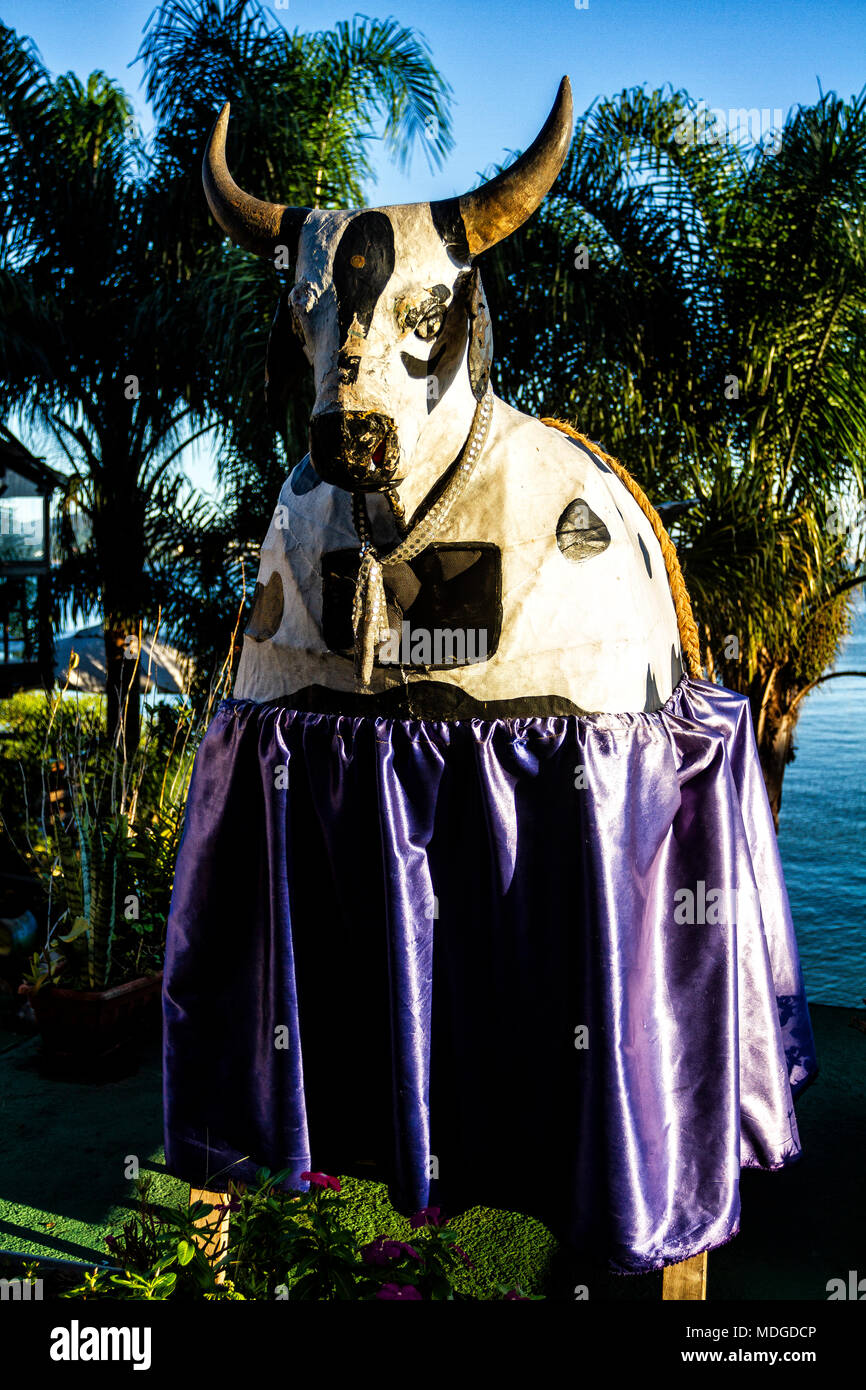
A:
[382,1251]
[427,1216]
[395,1291]
[322,1180]
[515,1293]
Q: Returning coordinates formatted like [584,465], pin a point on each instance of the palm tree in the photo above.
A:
[703,316]
[127,327]
[79,347]
[305,108]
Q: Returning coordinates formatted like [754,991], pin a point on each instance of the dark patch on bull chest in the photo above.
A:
[653,699]
[363,265]
[445,604]
[267,611]
[602,467]
[645,553]
[676,667]
[580,534]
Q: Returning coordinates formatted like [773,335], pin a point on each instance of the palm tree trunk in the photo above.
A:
[118,534]
[775,754]
[775,711]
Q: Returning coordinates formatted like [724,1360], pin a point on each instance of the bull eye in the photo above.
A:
[307,301]
[303,298]
[430,326]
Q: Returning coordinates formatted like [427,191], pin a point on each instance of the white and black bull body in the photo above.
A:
[543,590]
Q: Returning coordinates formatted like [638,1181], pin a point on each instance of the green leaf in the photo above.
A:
[79,927]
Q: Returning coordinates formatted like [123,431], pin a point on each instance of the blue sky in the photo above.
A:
[504,59]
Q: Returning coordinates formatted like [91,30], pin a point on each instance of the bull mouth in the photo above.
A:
[354,449]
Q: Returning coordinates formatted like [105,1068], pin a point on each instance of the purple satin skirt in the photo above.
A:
[540,964]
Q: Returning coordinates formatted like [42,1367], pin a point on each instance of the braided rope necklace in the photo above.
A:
[369,609]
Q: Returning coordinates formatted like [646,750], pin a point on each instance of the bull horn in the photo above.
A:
[502,205]
[257,226]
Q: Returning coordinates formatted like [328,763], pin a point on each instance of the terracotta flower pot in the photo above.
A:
[94,1034]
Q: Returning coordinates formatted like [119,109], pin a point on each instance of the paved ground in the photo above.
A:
[66,1150]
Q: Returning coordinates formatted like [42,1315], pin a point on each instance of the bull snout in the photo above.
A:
[354,448]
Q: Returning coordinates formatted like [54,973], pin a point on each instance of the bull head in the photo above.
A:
[389,307]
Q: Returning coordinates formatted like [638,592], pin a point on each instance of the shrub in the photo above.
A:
[99,832]
[298,1246]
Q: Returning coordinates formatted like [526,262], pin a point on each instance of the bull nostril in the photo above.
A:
[354,447]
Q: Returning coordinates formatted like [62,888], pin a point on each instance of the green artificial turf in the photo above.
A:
[68,1147]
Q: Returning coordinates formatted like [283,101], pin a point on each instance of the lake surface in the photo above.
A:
[822,830]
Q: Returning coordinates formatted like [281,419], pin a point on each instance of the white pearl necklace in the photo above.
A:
[369,610]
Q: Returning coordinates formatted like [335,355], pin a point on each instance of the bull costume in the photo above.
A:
[479,890]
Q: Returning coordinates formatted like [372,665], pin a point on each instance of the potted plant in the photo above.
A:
[90,1012]
[104,845]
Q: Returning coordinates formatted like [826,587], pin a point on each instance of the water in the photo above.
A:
[822,830]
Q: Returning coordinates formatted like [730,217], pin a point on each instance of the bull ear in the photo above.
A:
[257,226]
[480,353]
[502,205]
[287,377]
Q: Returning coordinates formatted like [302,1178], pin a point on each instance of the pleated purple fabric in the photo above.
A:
[540,964]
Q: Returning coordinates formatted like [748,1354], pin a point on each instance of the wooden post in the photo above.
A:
[214,1239]
[688,1279]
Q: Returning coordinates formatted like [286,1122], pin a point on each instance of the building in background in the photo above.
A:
[26,640]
